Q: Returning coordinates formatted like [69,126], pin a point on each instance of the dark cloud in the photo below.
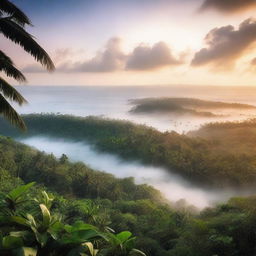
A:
[228,5]
[148,58]
[226,45]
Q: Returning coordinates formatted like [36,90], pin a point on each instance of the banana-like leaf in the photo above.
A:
[46,216]
[123,236]
[31,221]
[11,242]
[79,225]
[91,249]
[79,237]
[41,238]
[10,220]
[45,199]
[22,234]
[19,191]
[55,230]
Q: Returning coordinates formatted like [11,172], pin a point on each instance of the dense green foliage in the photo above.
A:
[23,232]
[189,106]
[70,179]
[227,160]
[226,230]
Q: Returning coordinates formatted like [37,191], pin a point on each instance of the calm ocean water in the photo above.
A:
[113,102]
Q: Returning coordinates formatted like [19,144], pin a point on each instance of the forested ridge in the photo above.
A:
[188,106]
[212,161]
[161,229]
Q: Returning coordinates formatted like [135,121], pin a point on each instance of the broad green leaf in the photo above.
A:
[123,236]
[79,225]
[129,244]
[21,234]
[31,221]
[45,199]
[46,215]
[13,219]
[80,236]
[41,238]
[91,249]
[11,242]
[55,230]
[19,191]
[111,238]
[19,220]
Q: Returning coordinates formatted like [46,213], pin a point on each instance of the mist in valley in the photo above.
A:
[173,187]
[113,102]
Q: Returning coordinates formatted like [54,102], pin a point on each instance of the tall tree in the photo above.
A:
[12,26]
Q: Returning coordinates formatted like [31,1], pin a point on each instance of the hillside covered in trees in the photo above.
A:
[184,106]
[81,196]
[227,160]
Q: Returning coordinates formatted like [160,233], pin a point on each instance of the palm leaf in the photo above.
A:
[6,65]
[17,34]
[17,15]
[11,92]
[9,113]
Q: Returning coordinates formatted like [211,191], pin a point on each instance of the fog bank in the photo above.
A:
[172,186]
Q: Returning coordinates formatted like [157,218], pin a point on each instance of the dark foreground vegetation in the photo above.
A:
[214,161]
[194,107]
[81,209]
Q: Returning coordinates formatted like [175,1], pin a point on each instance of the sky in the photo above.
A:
[141,42]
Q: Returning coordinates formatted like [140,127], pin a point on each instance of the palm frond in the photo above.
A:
[17,15]
[10,114]
[7,66]
[17,34]
[11,93]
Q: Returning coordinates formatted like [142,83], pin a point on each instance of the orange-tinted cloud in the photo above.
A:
[228,6]
[253,62]
[226,44]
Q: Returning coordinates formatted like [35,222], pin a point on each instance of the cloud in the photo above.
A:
[109,60]
[63,54]
[225,45]
[149,58]
[228,6]
[253,61]
[112,58]
[33,68]
[59,56]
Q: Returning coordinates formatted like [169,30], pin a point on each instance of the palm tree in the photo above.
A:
[12,26]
